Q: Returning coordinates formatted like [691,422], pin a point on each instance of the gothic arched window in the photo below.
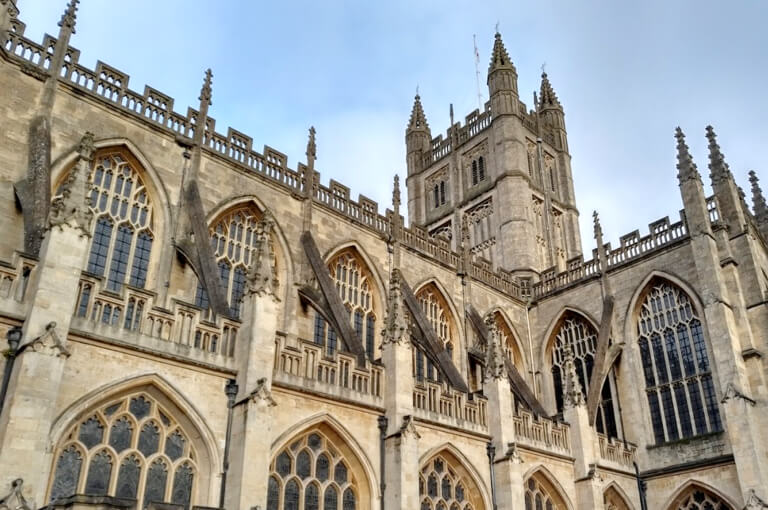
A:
[581,336]
[129,448]
[122,231]
[233,240]
[540,495]
[698,498]
[445,484]
[354,284]
[678,376]
[314,471]
[437,312]
[508,340]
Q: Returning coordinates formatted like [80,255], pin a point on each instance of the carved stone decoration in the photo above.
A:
[262,395]
[396,329]
[261,279]
[71,207]
[15,495]
[513,454]
[732,392]
[686,167]
[573,396]
[408,428]
[754,502]
[495,367]
[49,343]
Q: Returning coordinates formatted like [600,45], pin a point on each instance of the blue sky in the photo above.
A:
[626,73]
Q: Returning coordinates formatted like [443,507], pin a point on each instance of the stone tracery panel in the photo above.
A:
[445,484]
[541,495]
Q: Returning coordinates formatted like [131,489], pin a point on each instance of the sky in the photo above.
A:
[626,73]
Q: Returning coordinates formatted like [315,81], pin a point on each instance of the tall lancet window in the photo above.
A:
[122,238]
[233,239]
[581,336]
[678,375]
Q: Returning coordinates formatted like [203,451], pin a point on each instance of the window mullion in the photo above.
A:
[705,409]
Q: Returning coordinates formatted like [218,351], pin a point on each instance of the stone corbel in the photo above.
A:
[408,428]
[732,392]
[754,502]
[15,495]
[48,343]
[513,454]
[261,395]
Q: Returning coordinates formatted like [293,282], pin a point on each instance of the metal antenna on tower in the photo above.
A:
[477,75]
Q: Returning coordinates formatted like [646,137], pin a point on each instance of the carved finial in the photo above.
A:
[547,96]
[450,113]
[718,168]
[71,206]
[261,279]
[495,366]
[311,146]
[686,167]
[15,494]
[206,92]
[758,200]
[395,323]
[69,18]
[396,194]
[499,56]
[573,393]
[418,120]
[598,228]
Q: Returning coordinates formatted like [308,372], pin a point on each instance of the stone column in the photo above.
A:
[508,468]
[588,490]
[30,406]
[252,416]
[402,442]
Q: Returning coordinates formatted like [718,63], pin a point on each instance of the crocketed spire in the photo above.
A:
[69,17]
[418,119]
[686,167]
[718,168]
[547,96]
[499,57]
[758,200]
[206,92]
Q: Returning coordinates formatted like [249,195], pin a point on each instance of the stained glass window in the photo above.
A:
[155,464]
[578,334]
[301,473]
[119,199]
[441,485]
[542,496]
[678,378]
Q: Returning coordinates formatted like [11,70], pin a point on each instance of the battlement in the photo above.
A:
[109,85]
[632,246]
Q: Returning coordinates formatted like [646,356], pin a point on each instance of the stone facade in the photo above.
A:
[195,324]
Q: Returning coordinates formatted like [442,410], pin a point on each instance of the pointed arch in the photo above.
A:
[464,474]
[175,430]
[360,290]
[512,338]
[449,331]
[614,495]
[683,497]
[642,289]
[551,332]
[540,480]
[328,420]
[320,452]
[669,338]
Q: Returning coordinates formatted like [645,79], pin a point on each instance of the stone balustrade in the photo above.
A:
[134,311]
[438,402]
[335,374]
[542,433]
[616,453]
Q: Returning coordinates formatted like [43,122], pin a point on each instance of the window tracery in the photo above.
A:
[445,485]
[312,470]
[581,336]
[436,311]
[697,498]
[509,344]
[538,496]
[678,377]
[129,448]
[233,241]
[123,235]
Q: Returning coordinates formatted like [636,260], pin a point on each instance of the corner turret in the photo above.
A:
[551,114]
[417,138]
[502,80]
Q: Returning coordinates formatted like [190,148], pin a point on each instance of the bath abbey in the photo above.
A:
[188,322]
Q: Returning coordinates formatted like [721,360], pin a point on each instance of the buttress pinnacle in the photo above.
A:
[758,200]
[686,167]
[206,92]
[718,168]
[69,17]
